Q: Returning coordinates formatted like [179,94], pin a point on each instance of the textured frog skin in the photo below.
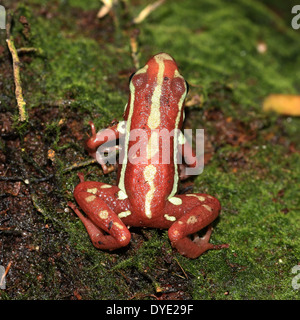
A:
[145,194]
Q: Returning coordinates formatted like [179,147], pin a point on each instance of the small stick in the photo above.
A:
[146,11]
[16,71]
[79,165]
[2,178]
[181,268]
[5,273]
[134,48]
[36,204]
[26,50]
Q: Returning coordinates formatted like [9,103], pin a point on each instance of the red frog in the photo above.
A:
[145,194]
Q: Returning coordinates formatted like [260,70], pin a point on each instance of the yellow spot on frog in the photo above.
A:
[176,201]
[170,218]
[207,207]
[191,220]
[118,225]
[103,214]
[93,190]
[124,214]
[200,198]
[90,198]
[175,232]
[105,186]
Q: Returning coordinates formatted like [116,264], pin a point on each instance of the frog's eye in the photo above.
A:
[178,86]
[139,80]
[131,77]
[187,87]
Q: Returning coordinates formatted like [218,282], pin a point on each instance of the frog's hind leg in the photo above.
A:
[97,236]
[199,217]
[105,228]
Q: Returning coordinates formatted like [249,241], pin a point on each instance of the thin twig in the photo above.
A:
[5,273]
[79,165]
[11,178]
[146,11]
[16,71]
[134,48]
[26,50]
[36,204]
[181,268]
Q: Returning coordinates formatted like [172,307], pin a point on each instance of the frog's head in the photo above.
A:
[160,71]
[159,86]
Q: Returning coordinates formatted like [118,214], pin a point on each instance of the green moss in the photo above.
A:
[216,47]
[84,5]
[72,68]
[220,44]
[264,242]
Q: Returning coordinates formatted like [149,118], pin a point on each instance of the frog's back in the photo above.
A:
[154,113]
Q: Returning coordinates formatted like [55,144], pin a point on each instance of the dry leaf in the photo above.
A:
[51,155]
[196,99]
[283,104]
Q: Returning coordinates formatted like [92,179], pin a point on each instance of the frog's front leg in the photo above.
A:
[199,211]
[105,228]
[97,139]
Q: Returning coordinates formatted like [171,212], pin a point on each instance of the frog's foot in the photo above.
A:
[99,238]
[190,223]
[203,242]
[194,248]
